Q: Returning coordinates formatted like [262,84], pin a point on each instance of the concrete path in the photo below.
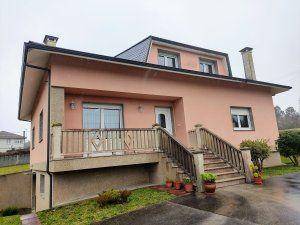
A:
[277,201]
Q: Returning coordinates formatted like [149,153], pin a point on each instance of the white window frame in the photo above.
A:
[213,64]
[242,111]
[102,107]
[168,55]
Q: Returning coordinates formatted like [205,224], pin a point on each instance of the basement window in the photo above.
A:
[242,118]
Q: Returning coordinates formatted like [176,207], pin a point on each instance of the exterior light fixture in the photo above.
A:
[140,109]
[72,105]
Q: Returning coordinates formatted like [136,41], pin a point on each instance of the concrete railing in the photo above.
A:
[101,142]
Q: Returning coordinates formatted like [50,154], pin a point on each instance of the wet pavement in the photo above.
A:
[277,201]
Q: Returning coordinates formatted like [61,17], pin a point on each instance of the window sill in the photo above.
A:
[238,129]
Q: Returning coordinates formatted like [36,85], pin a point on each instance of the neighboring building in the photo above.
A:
[92,115]
[11,141]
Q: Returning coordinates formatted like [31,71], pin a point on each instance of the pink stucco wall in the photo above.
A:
[38,154]
[195,100]
[188,60]
[132,116]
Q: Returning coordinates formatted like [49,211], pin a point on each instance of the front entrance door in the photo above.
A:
[164,118]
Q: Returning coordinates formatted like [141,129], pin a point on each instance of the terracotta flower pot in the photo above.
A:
[188,187]
[258,180]
[210,188]
[177,185]
[169,184]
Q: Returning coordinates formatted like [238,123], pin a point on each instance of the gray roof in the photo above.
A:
[138,52]
[8,135]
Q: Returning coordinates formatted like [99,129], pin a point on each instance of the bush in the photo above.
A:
[124,195]
[113,197]
[260,150]
[289,145]
[209,177]
[10,211]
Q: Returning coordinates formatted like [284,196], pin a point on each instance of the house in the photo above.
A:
[11,141]
[91,117]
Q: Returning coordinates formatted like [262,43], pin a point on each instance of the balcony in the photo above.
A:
[99,148]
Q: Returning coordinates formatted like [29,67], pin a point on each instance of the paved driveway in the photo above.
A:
[276,202]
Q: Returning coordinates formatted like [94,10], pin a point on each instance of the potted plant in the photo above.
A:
[257,175]
[169,183]
[188,185]
[209,181]
[177,185]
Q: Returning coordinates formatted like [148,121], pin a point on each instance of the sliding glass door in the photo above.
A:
[101,116]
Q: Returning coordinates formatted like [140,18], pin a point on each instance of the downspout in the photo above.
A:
[48,128]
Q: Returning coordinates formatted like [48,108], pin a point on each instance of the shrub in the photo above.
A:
[260,150]
[10,211]
[209,177]
[113,197]
[289,145]
[187,180]
[124,194]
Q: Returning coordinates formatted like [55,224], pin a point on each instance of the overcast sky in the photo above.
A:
[272,28]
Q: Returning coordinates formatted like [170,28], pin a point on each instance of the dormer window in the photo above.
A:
[207,66]
[168,59]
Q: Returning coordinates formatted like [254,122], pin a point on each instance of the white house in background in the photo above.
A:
[10,141]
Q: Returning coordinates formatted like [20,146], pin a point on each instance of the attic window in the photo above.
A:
[207,66]
[168,59]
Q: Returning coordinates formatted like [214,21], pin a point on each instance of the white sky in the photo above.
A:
[272,28]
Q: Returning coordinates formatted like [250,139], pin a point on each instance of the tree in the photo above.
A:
[289,145]
[287,119]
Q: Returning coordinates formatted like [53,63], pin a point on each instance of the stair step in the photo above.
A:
[219,169]
[230,181]
[217,165]
[229,174]
[214,161]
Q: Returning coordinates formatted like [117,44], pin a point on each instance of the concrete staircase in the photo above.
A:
[226,174]
[172,170]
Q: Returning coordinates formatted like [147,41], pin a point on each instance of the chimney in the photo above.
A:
[50,40]
[248,63]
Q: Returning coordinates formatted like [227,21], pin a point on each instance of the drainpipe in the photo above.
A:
[48,127]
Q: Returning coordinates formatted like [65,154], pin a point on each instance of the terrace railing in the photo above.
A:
[102,142]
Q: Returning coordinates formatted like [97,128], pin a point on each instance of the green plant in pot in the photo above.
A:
[209,181]
[188,185]
[257,176]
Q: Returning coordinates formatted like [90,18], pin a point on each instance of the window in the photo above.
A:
[162,120]
[32,138]
[241,118]
[42,184]
[96,116]
[208,67]
[41,126]
[168,59]
[8,141]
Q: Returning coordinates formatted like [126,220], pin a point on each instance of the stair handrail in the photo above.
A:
[179,153]
[220,147]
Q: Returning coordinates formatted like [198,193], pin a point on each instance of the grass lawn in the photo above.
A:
[10,220]
[13,169]
[88,211]
[281,170]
